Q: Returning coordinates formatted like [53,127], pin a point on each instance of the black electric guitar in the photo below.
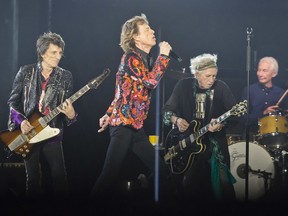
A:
[21,144]
[180,148]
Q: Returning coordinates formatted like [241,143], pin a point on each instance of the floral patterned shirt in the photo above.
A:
[134,83]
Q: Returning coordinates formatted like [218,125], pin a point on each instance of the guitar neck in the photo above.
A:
[92,84]
[204,129]
[73,98]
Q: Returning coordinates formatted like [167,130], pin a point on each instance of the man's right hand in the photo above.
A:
[103,123]
[270,109]
[165,48]
[26,127]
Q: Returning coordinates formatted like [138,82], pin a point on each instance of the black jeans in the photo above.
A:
[121,140]
[52,152]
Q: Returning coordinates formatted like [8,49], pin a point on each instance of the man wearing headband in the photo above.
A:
[203,98]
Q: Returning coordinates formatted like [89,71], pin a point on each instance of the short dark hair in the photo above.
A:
[45,40]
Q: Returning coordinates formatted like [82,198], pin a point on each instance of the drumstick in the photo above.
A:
[277,104]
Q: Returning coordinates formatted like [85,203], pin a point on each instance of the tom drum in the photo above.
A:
[273,130]
[273,124]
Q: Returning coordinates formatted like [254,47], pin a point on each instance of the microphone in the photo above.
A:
[175,56]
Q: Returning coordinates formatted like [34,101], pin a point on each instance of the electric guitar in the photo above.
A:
[180,148]
[23,143]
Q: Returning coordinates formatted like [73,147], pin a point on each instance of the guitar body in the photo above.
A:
[22,144]
[181,148]
[179,154]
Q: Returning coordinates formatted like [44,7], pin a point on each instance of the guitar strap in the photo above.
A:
[211,96]
[51,92]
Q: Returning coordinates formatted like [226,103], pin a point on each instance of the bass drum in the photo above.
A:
[261,170]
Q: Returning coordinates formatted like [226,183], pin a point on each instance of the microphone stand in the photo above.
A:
[248,66]
[284,153]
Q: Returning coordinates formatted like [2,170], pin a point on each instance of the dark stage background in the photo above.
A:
[91,30]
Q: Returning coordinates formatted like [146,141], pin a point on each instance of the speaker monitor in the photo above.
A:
[12,179]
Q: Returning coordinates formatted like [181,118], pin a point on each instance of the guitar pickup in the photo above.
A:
[182,144]
[18,142]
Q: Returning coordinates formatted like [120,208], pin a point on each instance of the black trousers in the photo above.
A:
[121,140]
[52,153]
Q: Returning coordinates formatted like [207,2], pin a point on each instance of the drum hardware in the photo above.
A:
[284,170]
[233,138]
[280,160]
[265,175]
[241,171]
[261,170]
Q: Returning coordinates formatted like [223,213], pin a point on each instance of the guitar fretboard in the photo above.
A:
[92,84]
[204,129]
[73,98]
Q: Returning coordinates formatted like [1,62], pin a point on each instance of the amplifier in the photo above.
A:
[12,181]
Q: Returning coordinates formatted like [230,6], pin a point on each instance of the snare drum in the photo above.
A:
[261,170]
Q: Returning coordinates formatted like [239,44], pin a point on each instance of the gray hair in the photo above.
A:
[203,62]
[272,62]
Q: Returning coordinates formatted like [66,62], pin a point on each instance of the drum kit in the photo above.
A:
[268,164]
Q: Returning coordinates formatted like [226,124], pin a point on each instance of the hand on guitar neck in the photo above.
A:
[37,128]
[214,127]
[180,147]
[67,109]
[183,125]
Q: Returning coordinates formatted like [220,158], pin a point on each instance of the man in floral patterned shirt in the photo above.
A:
[135,79]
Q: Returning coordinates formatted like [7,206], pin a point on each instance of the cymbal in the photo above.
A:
[178,74]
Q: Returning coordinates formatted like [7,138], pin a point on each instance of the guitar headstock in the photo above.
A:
[239,109]
[94,83]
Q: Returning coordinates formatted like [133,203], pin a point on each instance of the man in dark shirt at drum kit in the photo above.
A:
[268,128]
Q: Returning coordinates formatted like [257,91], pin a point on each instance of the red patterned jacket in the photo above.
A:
[134,83]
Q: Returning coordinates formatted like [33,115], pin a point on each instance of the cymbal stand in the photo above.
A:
[284,170]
